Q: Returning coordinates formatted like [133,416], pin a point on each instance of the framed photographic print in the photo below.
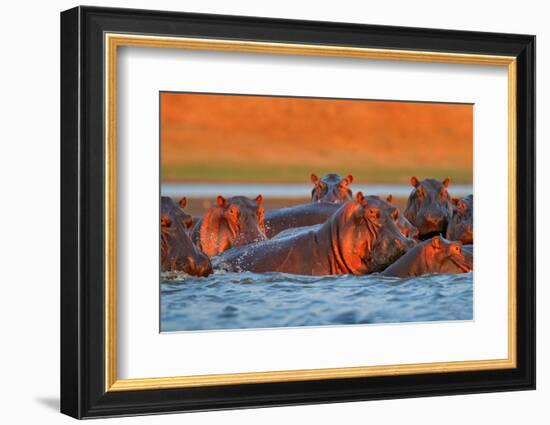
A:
[261,212]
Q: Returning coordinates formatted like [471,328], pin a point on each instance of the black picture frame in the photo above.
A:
[83,392]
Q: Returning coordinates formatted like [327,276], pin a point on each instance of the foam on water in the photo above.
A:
[271,300]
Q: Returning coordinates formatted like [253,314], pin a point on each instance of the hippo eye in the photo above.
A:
[374,213]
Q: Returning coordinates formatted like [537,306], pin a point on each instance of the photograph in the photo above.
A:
[284,212]
[278,210]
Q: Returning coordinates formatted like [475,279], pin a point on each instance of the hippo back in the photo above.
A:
[357,239]
[302,215]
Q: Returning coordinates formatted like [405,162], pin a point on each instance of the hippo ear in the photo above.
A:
[259,199]
[446,182]
[222,202]
[165,220]
[349,179]
[414,181]
[183,202]
[436,242]
[389,198]
[314,179]
[360,198]
[395,214]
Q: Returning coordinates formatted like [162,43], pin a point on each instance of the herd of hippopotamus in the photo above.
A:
[336,233]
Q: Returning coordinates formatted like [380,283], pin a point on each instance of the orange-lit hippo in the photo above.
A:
[175,211]
[328,193]
[461,226]
[429,207]
[177,252]
[436,255]
[232,222]
[357,239]
[405,226]
[331,188]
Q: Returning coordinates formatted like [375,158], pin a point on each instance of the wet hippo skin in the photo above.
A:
[404,225]
[298,216]
[357,239]
[461,226]
[175,211]
[429,207]
[177,251]
[235,221]
[436,255]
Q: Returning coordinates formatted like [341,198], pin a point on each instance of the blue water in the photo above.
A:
[271,300]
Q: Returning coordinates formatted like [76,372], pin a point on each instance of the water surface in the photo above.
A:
[272,300]
[289,190]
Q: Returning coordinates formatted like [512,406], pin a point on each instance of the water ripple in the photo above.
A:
[270,300]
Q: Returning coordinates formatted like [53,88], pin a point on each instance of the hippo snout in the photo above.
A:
[434,220]
[204,268]
[199,265]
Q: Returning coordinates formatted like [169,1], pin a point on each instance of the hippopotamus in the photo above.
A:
[357,239]
[429,207]
[298,216]
[232,222]
[175,211]
[461,226]
[404,225]
[435,255]
[331,188]
[177,252]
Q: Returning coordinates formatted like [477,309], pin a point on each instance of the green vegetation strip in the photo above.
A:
[285,174]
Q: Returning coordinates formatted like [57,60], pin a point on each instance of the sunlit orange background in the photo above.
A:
[233,138]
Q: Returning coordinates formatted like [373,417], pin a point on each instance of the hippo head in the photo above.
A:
[429,206]
[331,188]
[178,252]
[461,226]
[443,256]
[405,226]
[175,211]
[367,237]
[232,222]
